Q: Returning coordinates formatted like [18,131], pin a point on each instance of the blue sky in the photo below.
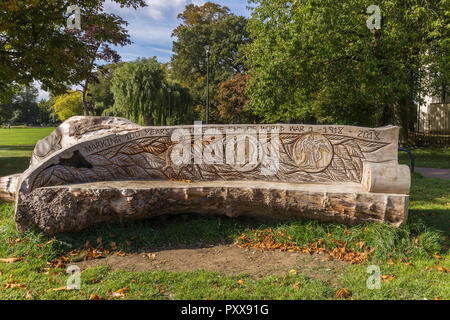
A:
[151,27]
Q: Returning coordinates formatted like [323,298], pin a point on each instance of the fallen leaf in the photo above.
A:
[151,255]
[10,260]
[296,285]
[437,256]
[113,245]
[391,262]
[11,285]
[440,268]
[342,293]
[241,282]
[59,289]
[387,278]
[120,293]
[121,254]
[293,271]
[29,296]
[95,297]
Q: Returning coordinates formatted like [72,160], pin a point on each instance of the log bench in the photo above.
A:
[94,170]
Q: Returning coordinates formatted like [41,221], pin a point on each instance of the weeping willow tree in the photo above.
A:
[142,93]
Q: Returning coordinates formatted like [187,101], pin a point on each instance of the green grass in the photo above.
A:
[427,158]
[425,234]
[14,159]
[23,136]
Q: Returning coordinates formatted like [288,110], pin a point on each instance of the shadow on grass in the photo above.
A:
[165,232]
[429,203]
[14,159]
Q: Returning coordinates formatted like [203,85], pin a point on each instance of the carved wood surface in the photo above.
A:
[315,155]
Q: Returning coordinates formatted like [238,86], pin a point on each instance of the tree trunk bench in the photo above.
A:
[93,170]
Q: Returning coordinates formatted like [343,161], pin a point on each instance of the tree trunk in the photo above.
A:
[148,120]
[83,98]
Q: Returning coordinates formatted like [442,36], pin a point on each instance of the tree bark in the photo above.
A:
[148,120]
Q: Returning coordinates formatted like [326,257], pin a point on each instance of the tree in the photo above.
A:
[138,89]
[68,105]
[35,44]
[47,114]
[22,108]
[233,102]
[318,60]
[142,91]
[213,25]
[99,94]
[98,33]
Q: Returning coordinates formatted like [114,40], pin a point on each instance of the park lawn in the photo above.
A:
[427,158]
[14,159]
[414,260]
[23,136]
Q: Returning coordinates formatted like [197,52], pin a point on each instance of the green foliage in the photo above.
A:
[35,44]
[233,102]
[99,94]
[68,105]
[141,92]
[22,108]
[317,60]
[213,25]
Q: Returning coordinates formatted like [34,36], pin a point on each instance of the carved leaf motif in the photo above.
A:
[370,146]
[122,160]
[155,146]
[136,172]
[43,178]
[348,155]
[98,160]
[131,148]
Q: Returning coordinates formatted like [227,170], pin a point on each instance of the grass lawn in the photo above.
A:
[414,260]
[23,136]
[427,158]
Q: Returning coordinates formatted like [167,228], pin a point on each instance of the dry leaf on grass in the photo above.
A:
[388,277]
[95,297]
[120,293]
[59,289]
[93,254]
[29,296]
[10,260]
[296,285]
[11,285]
[342,293]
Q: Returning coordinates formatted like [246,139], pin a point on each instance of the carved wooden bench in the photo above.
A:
[94,169]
